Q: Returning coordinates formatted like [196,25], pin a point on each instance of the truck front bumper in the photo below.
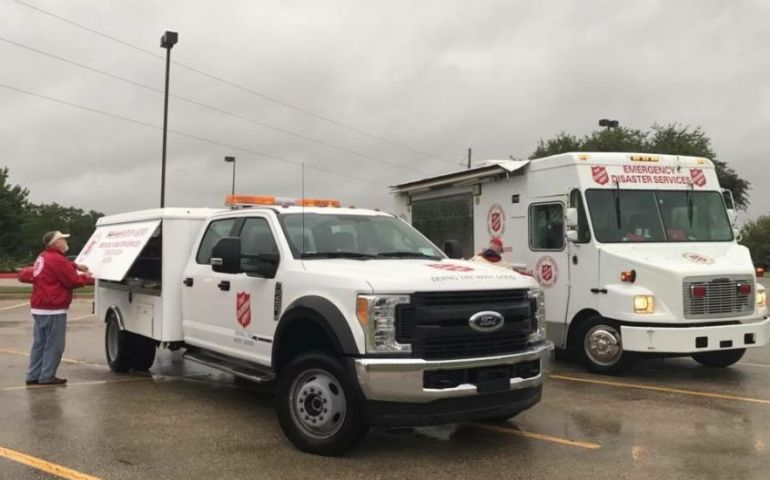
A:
[404,379]
[688,340]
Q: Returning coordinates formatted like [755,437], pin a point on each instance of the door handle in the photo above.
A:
[224,285]
[188,282]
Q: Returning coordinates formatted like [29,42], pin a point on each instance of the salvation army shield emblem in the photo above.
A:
[496,220]
[698,177]
[243,308]
[599,174]
[546,271]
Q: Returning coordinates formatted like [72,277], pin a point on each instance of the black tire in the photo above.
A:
[599,345]
[719,358]
[142,352]
[117,346]
[309,385]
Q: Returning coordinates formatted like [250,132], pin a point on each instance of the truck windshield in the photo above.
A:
[354,236]
[658,216]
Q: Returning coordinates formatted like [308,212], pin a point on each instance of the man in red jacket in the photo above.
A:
[54,278]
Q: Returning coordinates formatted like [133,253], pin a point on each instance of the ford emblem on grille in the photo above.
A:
[486,322]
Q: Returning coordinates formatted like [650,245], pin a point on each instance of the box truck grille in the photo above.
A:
[721,298]
[436,324]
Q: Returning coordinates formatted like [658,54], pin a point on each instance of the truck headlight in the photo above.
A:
[537,327]
[761,296]
[644,304]
[377,316]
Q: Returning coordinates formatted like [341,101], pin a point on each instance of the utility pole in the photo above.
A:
[469,159]
[167,41]
[232,160]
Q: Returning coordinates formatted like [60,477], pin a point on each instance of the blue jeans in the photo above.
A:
[47,346]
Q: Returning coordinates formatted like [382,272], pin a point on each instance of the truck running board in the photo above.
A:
[233,367]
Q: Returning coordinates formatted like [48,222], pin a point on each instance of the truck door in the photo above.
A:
[208,305]
[548,258]
[254,292]
[583,267]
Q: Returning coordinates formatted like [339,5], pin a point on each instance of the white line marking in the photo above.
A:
[82,317]
[11,307]
[761,365]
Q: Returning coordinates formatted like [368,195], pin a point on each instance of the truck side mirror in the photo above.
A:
[452,249]
[571,217]
[226,255]
[572,236]
[732,215]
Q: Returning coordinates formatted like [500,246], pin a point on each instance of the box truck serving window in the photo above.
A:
[658,216]
[354,236]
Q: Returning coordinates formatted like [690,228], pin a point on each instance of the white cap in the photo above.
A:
[51,237]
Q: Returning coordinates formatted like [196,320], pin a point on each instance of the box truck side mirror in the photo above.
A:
[571,217]
[732,215]
[226,255]
[572,236]
[452,249]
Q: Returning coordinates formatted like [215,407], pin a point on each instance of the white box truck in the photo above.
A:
[358,318]
[636,253]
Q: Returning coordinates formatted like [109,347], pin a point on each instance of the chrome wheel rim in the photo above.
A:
[317,403]
[602,345]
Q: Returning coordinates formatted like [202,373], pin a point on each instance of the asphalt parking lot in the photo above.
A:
[667,419]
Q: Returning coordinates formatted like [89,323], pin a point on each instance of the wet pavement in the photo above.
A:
[667,419]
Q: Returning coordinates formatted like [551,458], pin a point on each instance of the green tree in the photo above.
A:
[40,219]
[672,138]
[13,202]
[754,235]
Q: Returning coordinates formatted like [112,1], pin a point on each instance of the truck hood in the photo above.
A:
[411,275]
[684,259]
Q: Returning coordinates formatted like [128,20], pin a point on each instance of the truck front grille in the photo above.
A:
[721,299]
[436,323]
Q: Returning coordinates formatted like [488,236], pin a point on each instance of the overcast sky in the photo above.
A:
[434,77]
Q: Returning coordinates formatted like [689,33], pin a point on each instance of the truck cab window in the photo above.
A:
[546,226]
[216,230]
[256,239]
[584,232]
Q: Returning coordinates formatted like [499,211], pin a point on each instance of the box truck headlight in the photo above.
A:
[537,326]
[377,316]
[761,296]
[644,304]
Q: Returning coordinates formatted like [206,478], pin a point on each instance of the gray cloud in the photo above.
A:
[439,76]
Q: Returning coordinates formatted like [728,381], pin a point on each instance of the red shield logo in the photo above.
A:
[547,273]
[698,177]
[243,309]
[600,175]
[497,221]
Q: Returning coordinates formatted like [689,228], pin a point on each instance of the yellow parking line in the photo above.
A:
[11,307]
[44,466]
[75,384]
[538,436]
[695,393]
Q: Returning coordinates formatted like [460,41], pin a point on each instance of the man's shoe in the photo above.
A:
[32,382]
[54,381]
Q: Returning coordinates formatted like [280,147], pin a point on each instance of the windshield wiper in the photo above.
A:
[407,254]
[357,255]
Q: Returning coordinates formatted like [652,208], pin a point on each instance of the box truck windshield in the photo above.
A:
[658,216]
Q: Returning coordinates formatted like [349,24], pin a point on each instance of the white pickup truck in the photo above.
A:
[358,318]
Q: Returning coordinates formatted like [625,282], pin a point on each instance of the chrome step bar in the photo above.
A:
[251,373]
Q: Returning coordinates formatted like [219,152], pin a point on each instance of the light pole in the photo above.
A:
[167,41]
[232,160]
[605,122]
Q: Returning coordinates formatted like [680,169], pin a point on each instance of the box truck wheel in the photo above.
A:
[720,358]
[318,406]
[602,346]
[117,346]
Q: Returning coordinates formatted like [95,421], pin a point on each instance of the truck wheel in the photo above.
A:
[117,345]
[720,358]
[143,353]
[601,347]
[318,406]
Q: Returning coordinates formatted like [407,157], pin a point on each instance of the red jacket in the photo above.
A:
[53,278]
